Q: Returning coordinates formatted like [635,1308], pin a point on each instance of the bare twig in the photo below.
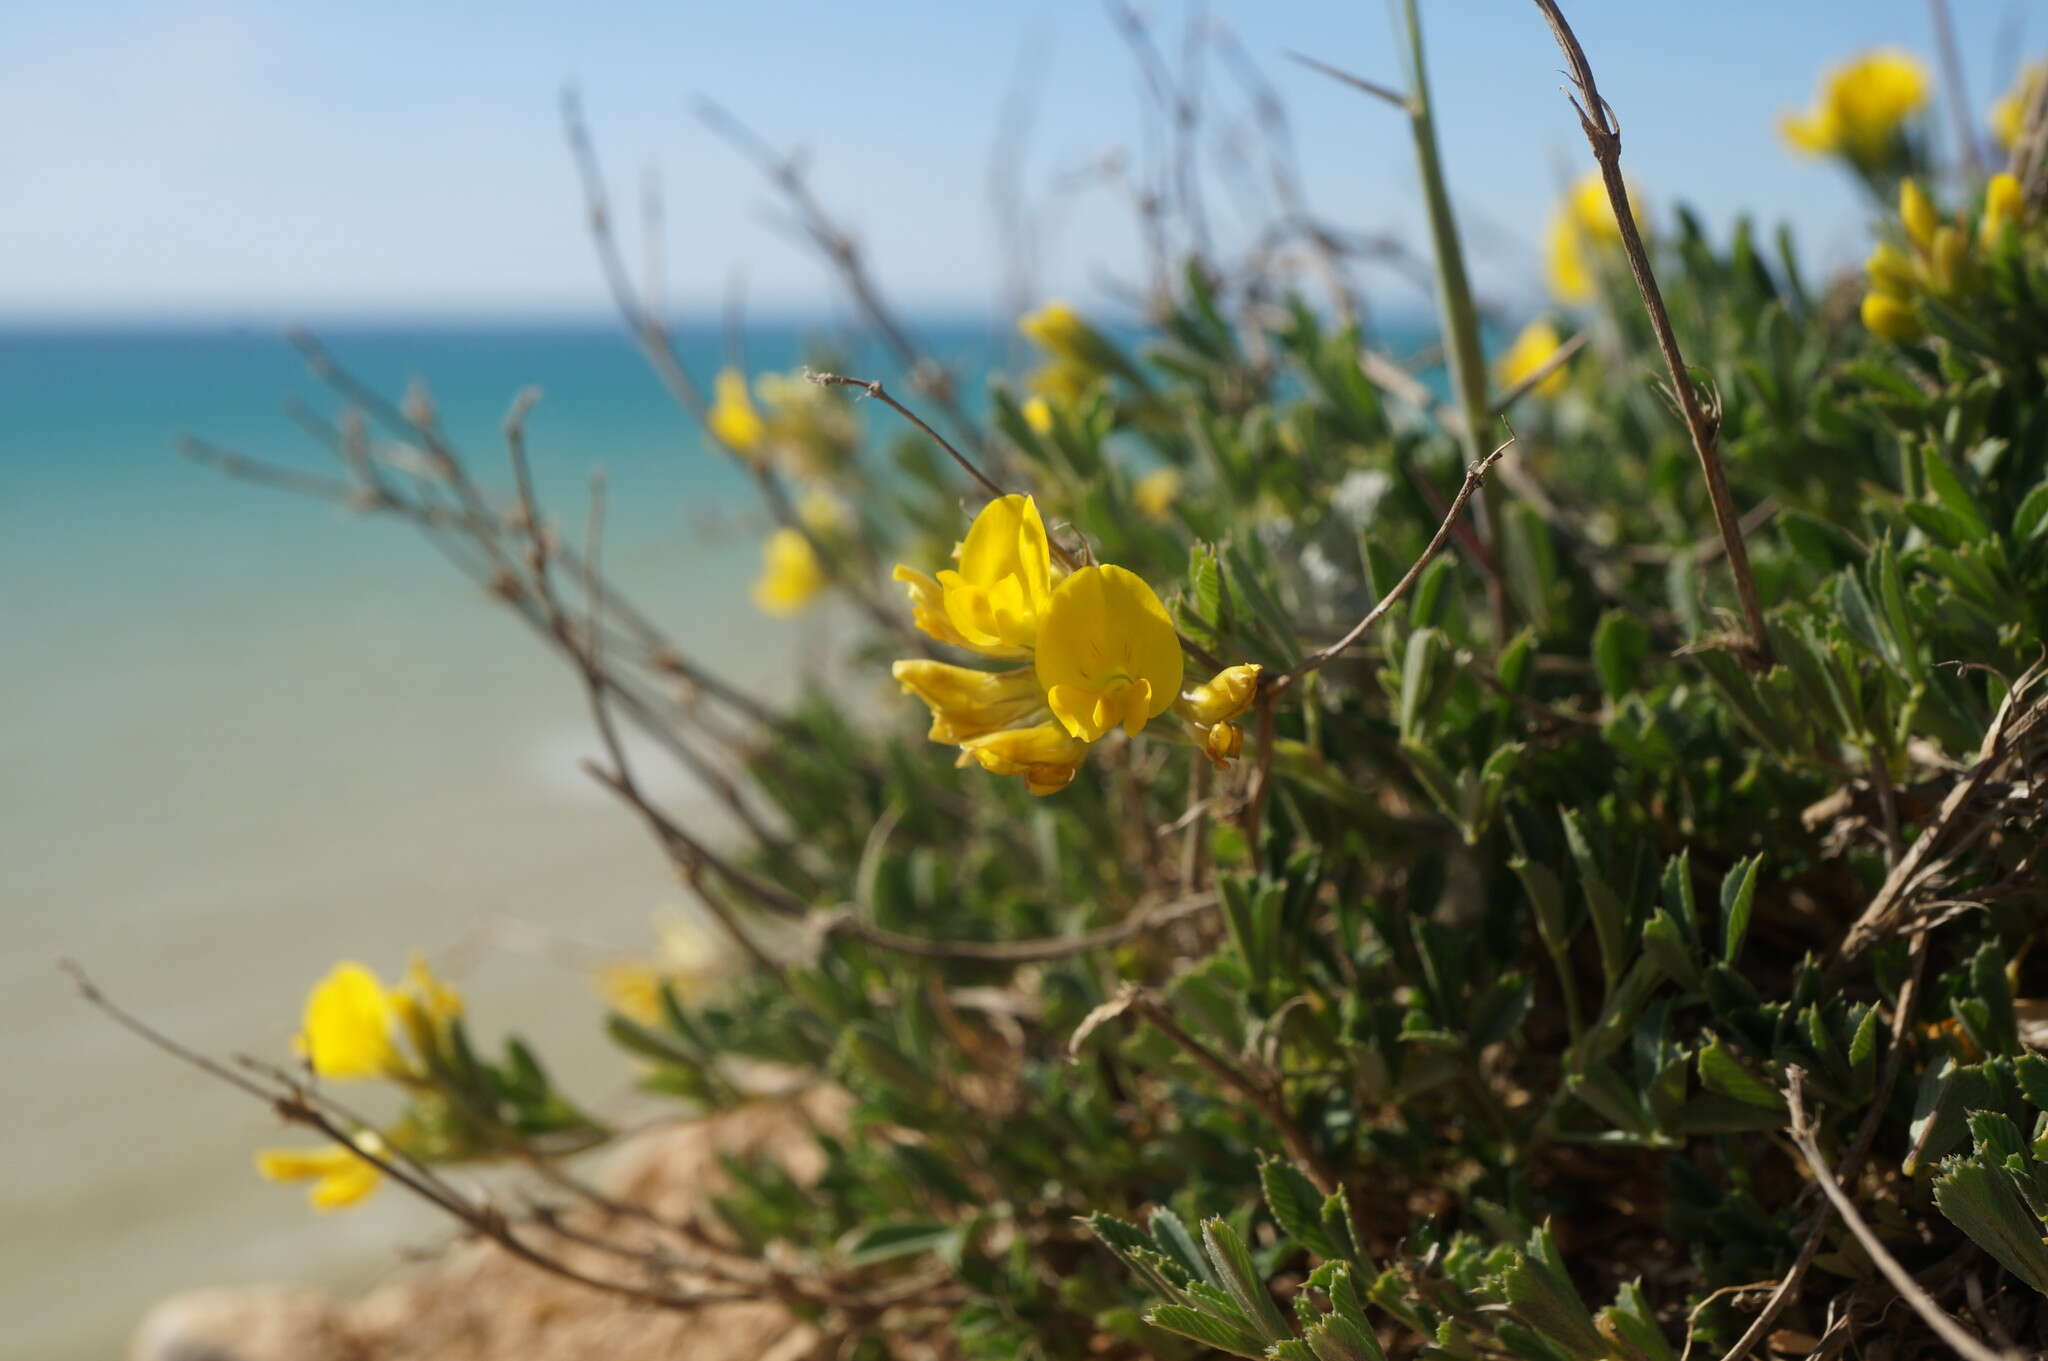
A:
[845,922]
[1955,93]
[1371,87]
[1475,477]
[1596,118]
[1944,1326]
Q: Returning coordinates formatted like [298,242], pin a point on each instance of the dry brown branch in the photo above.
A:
[1343,77]
[845,922]
[1596,118]
[931,379]
[1969,813]
[1902,1280]
[652,335]
[294,1103]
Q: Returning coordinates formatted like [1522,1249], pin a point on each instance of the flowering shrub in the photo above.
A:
[1524,952]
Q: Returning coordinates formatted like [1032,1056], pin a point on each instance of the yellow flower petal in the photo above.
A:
[928,607]
[1531,350]
[965,703]
[1058,328]
[1037,414]
[1581,224]
[1043,754]
[790,573]
[1004,582]
[1889,270]
[346,1033]
[733,418]
[1107,655]
[1222,743]
[340,1177]
[2009,114]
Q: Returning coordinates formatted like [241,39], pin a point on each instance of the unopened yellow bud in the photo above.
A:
[1892,318]
[1889,270]
[1038,415]
[1222,743]
[1951,261]
[1916,210]
[2004,205]
[1223,698]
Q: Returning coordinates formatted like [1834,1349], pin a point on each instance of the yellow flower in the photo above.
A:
[1058,328]
[1860,108]
[347,1031]
[1154,494]
[790,573]
[1037,414]
[689,960]
[1531,350]
[821,512]
[2009,114]
[340,1176]
[1004,582]
[1043,754]
[1916,210]
[928,607]
[1582,224]
[1108,655]
[733,418]
[1891,317]
[2004,204]
[965,703]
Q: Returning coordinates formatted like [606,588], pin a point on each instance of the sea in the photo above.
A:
[244,735]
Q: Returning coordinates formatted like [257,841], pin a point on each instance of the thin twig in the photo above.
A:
[1596,118]
[1955,93]
[1021,951]
[1475,477]
[1902,1280]
[1371,87]
[874,389]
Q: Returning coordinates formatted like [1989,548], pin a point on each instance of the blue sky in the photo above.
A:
[267,160]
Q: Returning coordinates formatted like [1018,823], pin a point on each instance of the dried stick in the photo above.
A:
[1945,1327]
[655,342]
[1596,118]
[1475,477]
[1846,1170]
[293,1104]
[839,248]
[846,923]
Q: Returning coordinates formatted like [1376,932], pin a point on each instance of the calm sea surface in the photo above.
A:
[244,735]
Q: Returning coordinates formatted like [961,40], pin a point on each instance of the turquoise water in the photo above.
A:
[244,735]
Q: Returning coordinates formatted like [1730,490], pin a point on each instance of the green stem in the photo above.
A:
[1462,347]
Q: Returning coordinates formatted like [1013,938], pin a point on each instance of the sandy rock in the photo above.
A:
[475,1302]
[257,1323]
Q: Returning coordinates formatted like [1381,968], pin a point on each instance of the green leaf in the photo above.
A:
[1296,1206]
[1983,1202]
[1610,918]
[1233,1263]
[1720,1071]
[884,1242]
[1621,643]
[2031,519]
[1738,896]
[1206,1329]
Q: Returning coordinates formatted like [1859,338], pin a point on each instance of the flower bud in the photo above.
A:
[1892,318]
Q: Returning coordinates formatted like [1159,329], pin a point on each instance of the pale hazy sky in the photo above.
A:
[265,159]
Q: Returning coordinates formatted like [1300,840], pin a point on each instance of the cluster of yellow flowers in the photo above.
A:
[1861,111]
[1100,654]
[355,1029]
[1077,358]
[1940,258]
